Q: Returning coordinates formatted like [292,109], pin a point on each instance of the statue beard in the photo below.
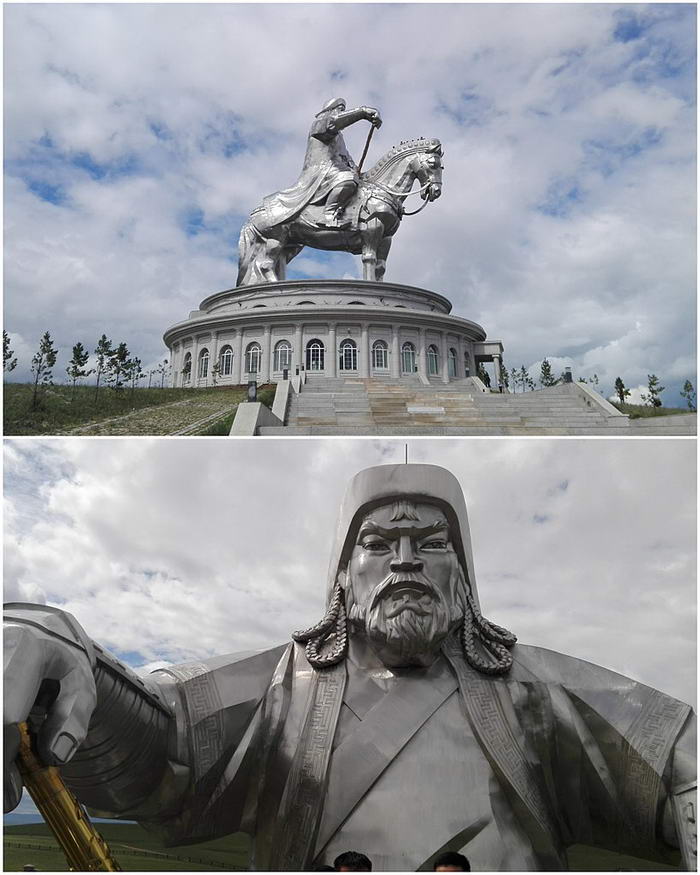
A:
[405,628]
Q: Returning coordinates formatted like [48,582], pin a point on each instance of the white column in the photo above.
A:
[265,356]
[395,363]
[445,369]
[364,351]
[331,352]
[237,370]
[213,355]
[497,371]
[298,350]
[271,359]
[195,362]
[422,356]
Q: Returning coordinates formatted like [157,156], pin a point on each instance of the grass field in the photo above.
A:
[138,851]
[127,412]
[134,849]
[642,411]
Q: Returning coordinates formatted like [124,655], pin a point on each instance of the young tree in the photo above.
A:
[42,363]
[76,366]
[525,379]
[162,371]
[620,390]
[135,373]
[653,390]
[8,363]
[118,366]
[546,376]
[103,351]
[688,392]
[514,379]
[505,378]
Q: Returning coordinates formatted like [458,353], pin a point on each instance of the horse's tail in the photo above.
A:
[248,242]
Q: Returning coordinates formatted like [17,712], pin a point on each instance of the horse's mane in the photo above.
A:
[421,144]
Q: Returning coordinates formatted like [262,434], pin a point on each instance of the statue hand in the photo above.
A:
[43,644]
[373,116]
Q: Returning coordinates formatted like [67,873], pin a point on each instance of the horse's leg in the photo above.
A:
[382,255]
[269,259]
[371,238]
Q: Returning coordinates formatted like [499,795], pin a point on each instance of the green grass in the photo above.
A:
[641,411]
[134,849]
[222,427]
[59,410]
[138,851]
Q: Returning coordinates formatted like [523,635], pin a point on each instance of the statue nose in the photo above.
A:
[406,559]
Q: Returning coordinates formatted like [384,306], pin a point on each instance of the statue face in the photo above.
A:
[402,582]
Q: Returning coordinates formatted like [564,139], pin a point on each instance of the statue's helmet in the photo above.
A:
[384,484]
[335,103]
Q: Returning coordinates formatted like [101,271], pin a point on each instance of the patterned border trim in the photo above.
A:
[304,793]
[647,747]
[205,720]
[485,703]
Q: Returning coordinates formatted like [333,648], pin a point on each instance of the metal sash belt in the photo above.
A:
[495,725]
[373,745]
[303,796]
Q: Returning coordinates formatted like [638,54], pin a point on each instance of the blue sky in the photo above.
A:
[139,137]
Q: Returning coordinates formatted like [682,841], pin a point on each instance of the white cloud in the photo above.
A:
[565,226]
[166,552]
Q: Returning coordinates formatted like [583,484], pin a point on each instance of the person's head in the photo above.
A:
[336,105]
[404,589]
[451,861]
[402,574]
[352,861]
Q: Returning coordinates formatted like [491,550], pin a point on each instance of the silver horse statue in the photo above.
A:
[335,206]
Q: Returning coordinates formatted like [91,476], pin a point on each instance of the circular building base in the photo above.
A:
[330,328]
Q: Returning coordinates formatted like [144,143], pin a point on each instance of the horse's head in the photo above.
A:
[428,166]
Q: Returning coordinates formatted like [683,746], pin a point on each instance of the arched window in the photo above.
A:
[187,368]
[348,356]
[433,360]
[203,364]
[466,364]
[408,358]
[452,363]
[283,355]
[304,302]
[226,361]
[259,305]
[380,355]
[361,303]
[315,355]
[253,356]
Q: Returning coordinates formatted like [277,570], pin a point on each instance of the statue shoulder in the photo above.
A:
[597,690]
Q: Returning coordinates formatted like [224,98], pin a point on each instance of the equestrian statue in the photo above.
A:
[333,205]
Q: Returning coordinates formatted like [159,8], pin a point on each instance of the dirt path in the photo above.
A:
[163,419]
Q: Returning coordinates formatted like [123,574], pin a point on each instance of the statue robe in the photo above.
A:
[327,163]
[507,770]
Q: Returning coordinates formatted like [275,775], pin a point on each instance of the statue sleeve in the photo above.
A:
[615,756]
[323,129]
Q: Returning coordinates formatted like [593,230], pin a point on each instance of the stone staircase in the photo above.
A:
[328,406]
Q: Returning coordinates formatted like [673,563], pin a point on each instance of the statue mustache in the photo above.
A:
[395,581]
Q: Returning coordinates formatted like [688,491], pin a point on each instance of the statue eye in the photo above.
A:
[434,544]
[375,546]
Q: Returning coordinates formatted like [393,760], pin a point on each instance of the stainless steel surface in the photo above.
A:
[398,748]
[335,206]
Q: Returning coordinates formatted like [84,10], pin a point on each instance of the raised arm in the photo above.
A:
[106,728]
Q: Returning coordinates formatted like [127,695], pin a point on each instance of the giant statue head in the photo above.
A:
[402,574]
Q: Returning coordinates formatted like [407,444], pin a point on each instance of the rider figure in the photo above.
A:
[326,151]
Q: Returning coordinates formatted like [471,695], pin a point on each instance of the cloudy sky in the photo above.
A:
[166,552]
[139,136]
